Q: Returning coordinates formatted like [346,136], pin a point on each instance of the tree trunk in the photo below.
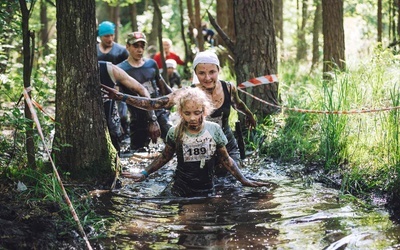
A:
[189,56]
[398,20]
[44,27]
[226,19]
[28,58]
[301,32]
[197,18]
[133,16]
[316,32]
[379,21]
[153,36]
[82,145]
[192,25]
[115,19]
[8,34]
[334,46]
[226,22]
[278,23]
[256,56]
[158,16]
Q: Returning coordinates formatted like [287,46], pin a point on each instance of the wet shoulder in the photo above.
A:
[150,63]
[124,65]
[216,131]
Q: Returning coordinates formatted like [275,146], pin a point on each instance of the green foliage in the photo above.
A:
[361,146]
[44,187]
[333,126]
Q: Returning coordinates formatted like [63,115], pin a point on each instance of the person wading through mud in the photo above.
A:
[109,74]
[110,51]
[145,71]
[223,95]
[197,143]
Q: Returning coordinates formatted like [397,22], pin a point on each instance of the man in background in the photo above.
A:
[110,51]
[168,54]
[145,71]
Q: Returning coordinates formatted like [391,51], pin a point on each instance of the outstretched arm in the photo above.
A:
[241,107]
[230,164]
[158,162]
[121,76]
[143,102]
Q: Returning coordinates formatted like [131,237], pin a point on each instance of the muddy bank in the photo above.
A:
[26,224]
[32,224]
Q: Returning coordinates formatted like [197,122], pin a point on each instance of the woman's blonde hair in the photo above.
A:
[197,96]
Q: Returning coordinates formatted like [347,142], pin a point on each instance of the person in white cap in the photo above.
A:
[173,76]
[222,94]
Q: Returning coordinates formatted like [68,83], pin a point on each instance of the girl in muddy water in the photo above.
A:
[223,95]
[197,143]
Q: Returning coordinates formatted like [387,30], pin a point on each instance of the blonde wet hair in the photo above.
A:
[198,97]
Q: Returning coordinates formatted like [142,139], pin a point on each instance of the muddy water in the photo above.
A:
[291,214]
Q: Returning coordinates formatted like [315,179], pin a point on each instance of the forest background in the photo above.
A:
[341,121]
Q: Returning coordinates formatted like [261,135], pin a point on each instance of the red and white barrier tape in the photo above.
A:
[258,81]
[268,79]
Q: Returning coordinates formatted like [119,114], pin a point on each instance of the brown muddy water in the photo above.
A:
[292,214]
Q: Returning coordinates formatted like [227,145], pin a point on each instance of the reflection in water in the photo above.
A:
[289,215]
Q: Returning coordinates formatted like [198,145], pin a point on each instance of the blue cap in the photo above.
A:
[106,28]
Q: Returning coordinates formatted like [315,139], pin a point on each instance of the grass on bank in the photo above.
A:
[362,148]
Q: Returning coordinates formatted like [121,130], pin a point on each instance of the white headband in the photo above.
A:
[204,57]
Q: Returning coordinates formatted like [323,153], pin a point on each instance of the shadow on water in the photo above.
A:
[287,215]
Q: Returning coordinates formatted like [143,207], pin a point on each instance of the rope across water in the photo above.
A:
[268,79]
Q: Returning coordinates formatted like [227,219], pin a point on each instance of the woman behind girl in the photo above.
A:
[197,143]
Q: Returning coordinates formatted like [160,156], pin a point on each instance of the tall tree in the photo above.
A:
[301,30]
[114,11]
[197,18]
[44,27]
[379,21]
[398,21]
[189,55]
[192,28]
[317,27]
[28,48]
[133,16]
[9,30]
[278,22]
[156,23]
[255,52]
[226,23]
[158,26]
[225,18]
[333,30]
[81,143]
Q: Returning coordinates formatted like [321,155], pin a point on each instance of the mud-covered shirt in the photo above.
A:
[147,74]
[196,156]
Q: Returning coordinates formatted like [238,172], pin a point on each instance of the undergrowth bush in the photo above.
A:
[362,145]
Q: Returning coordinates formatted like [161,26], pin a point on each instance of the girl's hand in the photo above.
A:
[137,177]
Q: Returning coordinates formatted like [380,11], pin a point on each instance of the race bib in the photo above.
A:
[198,148]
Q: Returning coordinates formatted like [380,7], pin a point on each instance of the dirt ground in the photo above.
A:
[32,225]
